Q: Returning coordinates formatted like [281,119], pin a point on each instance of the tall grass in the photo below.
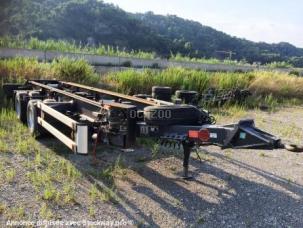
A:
[20,69]
[77,71]
[279,85]
[181,58]
[131,81]
[71,46]
[282,64]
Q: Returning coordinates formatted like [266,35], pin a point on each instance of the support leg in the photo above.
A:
[186,149]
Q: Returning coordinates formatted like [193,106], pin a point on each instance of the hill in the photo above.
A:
[190,37]
[95,22]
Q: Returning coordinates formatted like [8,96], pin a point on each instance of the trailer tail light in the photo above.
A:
[202,135]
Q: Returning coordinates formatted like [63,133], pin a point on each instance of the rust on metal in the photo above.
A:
[79,98]
[114,94]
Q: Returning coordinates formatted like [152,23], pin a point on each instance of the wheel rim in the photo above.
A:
[18,108]
[30,119]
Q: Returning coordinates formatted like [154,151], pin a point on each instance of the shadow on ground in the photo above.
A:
[155,196]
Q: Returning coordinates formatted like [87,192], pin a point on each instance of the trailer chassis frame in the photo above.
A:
[91,111]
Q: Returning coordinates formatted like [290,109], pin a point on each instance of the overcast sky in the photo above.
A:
[271,21]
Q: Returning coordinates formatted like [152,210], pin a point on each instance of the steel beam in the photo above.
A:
[59,135]
[57,115]
[110,93]
[79,98]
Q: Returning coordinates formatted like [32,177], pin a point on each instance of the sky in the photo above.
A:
[271,21]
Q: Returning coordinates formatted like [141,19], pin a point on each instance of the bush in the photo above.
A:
[20,69]
[74,70]
[280,85]
[281,64]
[294,72]
[127,64]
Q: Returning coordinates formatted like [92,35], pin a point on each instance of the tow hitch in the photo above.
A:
[241,135]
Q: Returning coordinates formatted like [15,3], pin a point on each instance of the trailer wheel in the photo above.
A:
[9,89]
[189,97]
[172,114]
[32,119]
[20,108]
[161,93]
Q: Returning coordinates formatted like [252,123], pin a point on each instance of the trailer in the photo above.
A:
[80,115]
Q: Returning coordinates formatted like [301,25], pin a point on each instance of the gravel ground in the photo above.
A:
[231,188]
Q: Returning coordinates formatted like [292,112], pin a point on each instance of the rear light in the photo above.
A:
[202,135]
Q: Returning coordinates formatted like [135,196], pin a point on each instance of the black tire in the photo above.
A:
[162,93]
[172,114]
[20,107]
[188,97]
[9,89]
[32,119]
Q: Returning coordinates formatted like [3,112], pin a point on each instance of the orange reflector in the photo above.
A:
[203,135]
[193,134]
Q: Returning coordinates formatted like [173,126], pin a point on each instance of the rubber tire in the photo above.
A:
[161,89]
[162,93]
[8,89]
[187,96]
[179,115]
[20,108]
